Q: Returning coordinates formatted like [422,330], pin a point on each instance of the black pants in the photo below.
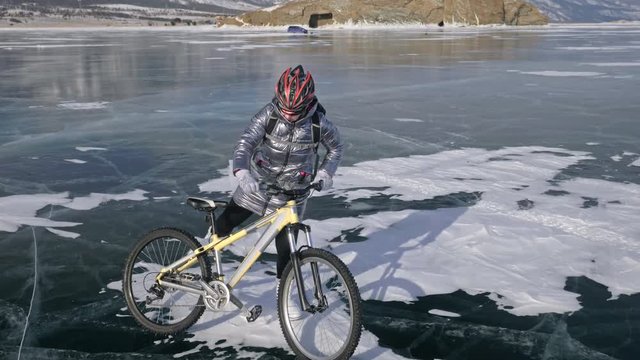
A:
[234,215]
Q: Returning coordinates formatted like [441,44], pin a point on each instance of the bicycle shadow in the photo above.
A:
[378,262]
[384,249]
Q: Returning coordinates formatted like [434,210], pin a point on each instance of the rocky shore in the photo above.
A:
[314,13]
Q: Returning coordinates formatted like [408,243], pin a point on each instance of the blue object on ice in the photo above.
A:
[297,29]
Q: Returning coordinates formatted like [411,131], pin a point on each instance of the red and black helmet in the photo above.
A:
[295,93]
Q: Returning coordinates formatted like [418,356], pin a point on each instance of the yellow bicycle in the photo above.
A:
[168,282]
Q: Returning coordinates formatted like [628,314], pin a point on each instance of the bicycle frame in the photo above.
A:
[277,220]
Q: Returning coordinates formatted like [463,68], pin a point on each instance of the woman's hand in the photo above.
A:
[247,182]
[327,180]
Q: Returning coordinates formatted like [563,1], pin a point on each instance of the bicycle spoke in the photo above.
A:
[172,306]
[324,332]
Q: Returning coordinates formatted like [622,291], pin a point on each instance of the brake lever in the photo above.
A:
[271,190]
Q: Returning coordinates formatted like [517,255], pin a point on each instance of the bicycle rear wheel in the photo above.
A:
[160,309]
[333,331]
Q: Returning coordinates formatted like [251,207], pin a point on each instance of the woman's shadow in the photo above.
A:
[380,255]
[382,251]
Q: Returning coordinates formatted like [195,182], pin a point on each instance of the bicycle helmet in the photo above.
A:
[295,93]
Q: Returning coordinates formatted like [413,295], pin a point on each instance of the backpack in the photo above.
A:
[315,133]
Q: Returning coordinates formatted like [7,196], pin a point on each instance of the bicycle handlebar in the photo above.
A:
[273,189]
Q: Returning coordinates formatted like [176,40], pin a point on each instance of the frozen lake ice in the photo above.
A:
[490,183]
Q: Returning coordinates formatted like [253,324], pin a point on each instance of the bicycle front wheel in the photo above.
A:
[164,310]
[332,330]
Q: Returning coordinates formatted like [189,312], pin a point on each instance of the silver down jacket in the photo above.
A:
[285,157]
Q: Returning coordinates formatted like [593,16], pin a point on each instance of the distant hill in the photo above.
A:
[122,12]
[589,10]
[214,6]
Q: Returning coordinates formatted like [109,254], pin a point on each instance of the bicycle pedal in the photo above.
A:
[254,313]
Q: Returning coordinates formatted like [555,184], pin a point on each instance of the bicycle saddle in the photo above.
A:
[202,204]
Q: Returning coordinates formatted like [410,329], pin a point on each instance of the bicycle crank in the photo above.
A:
[217,294]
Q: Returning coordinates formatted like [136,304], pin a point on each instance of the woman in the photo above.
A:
[280,146]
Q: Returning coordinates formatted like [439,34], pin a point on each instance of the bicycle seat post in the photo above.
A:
[212,221]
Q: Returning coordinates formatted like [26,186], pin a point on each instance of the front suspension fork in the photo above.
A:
[297,272]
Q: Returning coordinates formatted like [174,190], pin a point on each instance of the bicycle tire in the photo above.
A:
[188,242]
[349,286]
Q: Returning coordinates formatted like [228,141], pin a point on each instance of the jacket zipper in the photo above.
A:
[284,164]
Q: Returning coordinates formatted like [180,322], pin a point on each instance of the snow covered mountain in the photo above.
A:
[228,4]
[589,10]
[244,5]
[213,6]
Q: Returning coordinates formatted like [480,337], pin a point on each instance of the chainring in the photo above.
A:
[217,295]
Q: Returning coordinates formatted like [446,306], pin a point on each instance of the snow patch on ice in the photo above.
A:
[443,313]
[88,148]
[208,42]
[619,157]
[62,233]
[596,48]
[553,73]
[75,161]
[225,184]
[614,64]
[257,46]
[50,46]
[83,106]
[21,210]
[93,200]
[635,163]
[408,120]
